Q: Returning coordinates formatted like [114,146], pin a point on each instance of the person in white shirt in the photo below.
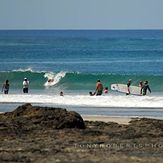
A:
[25,85]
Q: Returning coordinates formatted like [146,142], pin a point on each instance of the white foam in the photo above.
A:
[53,78]
[29,69]
[86,100]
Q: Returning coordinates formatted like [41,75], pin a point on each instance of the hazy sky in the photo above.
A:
[81,14]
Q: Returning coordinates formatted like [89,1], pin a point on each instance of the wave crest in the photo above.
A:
[23,70]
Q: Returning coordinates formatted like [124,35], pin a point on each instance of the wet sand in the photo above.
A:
[120,120]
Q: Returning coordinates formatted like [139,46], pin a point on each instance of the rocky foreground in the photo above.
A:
[48,135]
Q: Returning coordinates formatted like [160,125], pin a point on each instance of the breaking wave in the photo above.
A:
[75,80]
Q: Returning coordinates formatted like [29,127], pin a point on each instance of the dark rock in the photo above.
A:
[31,134]
[35,116]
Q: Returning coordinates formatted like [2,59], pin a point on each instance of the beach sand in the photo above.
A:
[120,120]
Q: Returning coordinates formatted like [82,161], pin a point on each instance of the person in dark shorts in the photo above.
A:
[99,88]
[5,87]
[145,88]
[128,86]
[25,85]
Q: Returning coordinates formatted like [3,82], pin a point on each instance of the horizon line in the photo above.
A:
[120,29]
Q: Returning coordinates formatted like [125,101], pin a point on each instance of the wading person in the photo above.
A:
[25,85]
[5,87]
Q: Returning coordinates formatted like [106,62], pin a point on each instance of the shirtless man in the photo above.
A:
[99,88]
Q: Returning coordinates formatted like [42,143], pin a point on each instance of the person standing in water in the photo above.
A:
[141,86]
[106,90]
[61,93]
[25,85]
[92,94]
[99,88]
[5,87]
[145,88]
[128,86]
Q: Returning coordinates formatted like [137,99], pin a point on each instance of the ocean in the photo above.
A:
[75,59]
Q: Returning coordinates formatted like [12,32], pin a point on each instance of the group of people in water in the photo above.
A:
[6,86]
[98,91]
[144,87]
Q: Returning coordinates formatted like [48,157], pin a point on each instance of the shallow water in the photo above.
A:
[111,105]
[100,111]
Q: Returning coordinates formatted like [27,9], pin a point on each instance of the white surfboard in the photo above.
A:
[123,88]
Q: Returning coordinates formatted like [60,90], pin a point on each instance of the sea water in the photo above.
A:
[75,59]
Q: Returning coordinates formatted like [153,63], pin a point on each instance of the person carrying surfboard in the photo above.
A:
[141,84]
[99,88]
[128,86]
[145,88]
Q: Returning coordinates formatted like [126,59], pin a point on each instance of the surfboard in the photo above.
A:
[134,90]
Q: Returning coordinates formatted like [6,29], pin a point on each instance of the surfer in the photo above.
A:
[5,87]
[25,85]
[128,86]
[99,88]
[145,88]
[50,80]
